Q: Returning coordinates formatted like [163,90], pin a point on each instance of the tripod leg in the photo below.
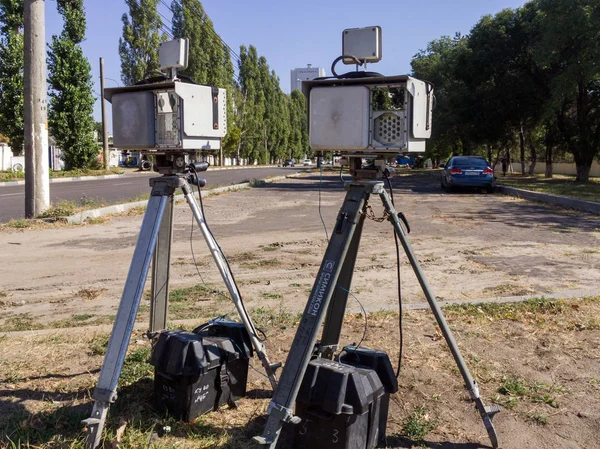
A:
[105,392]
[486,413]
[160,271]
[334,319]
[229,280]
[280,408]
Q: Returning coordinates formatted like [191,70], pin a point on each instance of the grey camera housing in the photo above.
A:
[168,116]
[342,115]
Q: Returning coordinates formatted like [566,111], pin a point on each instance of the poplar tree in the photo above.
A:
[71,100]
[206,63]
[252,105]
[138,47]
[11,73]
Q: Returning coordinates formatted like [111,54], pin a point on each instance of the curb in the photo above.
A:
[556,200]
[124,175]
[119,208]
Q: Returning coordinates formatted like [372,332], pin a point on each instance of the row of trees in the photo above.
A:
[526,79]
[70,83]
[264,124]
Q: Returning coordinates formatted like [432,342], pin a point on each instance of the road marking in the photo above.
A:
[11,194]
[122,184]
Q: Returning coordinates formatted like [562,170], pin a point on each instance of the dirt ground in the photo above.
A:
[540,362]
[470,246]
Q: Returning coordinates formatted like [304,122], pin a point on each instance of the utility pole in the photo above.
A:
[104,127]
[37,188]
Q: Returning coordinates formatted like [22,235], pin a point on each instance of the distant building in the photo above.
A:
[304,74]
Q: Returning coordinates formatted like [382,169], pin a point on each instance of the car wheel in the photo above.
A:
[489,189]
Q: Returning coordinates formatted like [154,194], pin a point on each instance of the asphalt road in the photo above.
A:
[12,199]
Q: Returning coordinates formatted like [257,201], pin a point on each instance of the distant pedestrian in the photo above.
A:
[504,167]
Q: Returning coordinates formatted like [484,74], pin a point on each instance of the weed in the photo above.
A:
[512,386]
[98,344]
[538,418]
[418,424]
[60,209]
[3,294]
[270,317]
[294,284]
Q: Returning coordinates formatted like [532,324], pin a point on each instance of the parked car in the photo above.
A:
[307,162]
[467,171]
[289,163]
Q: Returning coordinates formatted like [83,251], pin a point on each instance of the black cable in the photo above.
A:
[320,214]
[401,338]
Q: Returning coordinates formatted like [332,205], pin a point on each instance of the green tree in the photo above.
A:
[207,62]
[298,140]
[70,80]
[438,64]
[251,107]
[569,46]
[11,73]
[138,47]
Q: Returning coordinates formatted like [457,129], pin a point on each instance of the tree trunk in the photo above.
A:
[548,173]
[533,156]
[522,145]
[490,154]
[583,173]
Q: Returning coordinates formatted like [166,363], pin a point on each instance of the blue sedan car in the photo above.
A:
[467,171]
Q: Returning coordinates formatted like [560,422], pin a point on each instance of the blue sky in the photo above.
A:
[293,34]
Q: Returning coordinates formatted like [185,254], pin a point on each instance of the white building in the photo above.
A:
[304,74]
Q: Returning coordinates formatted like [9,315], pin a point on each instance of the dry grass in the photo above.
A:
[48,378]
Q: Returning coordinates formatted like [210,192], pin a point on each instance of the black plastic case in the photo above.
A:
[195,374]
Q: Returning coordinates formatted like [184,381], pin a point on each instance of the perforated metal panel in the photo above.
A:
[388,128]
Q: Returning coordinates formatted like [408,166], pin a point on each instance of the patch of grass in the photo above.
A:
[536,311]
[558,185]
[512,390]
[97,220]
[82,317]
[90,293]
[418,424]
[198,292]
[263,317]
[61,209]
[272,295]
[538,418]
[20,322]
[261,263]
[9,175]
[294,284]
[20,223]
[98,344]
[136,366]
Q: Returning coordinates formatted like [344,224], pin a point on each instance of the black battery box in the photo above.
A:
[339,407]
[195,374]
[379,362]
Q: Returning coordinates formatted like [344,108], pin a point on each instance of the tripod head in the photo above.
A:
[378,167]
[182,164]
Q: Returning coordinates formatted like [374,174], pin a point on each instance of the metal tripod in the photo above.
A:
[336,271]
[154,244]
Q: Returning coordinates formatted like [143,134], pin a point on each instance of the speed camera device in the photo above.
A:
[167,113]
[366,112]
